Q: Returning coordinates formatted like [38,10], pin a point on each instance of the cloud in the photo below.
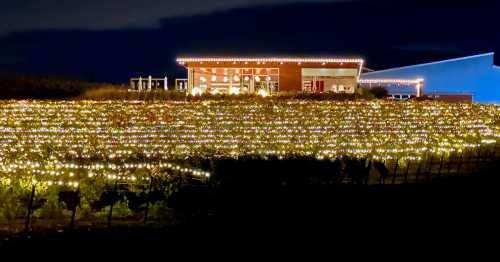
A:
[444,47]
[377,32]
[22,15]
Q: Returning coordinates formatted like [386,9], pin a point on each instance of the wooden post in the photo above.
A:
[449,165]
[418,170]
[478,160]
[110,215]
[441,164]
[27,223]
[429,170]
[478,153]
[382,178]
[146,211]
[460,163]
[407,169]
[368,169]
[485,154]
[493,153]
[73,211]
[395,171]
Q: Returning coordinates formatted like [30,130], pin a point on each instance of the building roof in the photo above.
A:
[432,63]
[475,74]
[391,81]
[270,59]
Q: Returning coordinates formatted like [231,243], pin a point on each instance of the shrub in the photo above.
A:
[379,92]
[110,92]
[364,92]
[424,98]
[23,87]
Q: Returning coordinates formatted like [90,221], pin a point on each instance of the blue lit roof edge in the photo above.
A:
[433,63]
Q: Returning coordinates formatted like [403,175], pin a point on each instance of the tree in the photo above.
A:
[383,171]
[379,92]
[72,201]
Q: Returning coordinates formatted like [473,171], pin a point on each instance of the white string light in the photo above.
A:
[120,130]
[391,81]
[270,59]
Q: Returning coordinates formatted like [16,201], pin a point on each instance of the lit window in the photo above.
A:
[234,90]
[196,91]
[262,92]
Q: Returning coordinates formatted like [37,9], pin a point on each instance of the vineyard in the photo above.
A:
[125,159]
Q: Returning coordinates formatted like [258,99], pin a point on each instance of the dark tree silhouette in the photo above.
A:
[382,169]
[379,92]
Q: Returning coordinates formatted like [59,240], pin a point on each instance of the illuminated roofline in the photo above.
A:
[269,59]
[431,63]
[391,81]
[359,70]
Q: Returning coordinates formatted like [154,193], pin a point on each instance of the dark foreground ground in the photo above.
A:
[456,214]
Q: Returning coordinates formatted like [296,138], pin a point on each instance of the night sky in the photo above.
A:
[112,40]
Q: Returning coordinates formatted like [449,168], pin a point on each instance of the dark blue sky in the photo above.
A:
[110,41]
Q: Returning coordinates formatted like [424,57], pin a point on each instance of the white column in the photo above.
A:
[252,84]
[190,82]
[165,83]
[419,88]
[140,83]
[230,81]
[149,83]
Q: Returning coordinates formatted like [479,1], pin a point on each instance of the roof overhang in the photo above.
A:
[184,60]
[391,81]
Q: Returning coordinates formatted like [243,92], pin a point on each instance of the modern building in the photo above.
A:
[266,75]
[455,79]
[459,79]
[395,87]
[452,97]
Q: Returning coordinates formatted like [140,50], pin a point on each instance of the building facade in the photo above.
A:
[395,87]
[454,79]
[268,75]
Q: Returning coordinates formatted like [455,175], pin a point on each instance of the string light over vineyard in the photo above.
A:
[56,173]
[49,136]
